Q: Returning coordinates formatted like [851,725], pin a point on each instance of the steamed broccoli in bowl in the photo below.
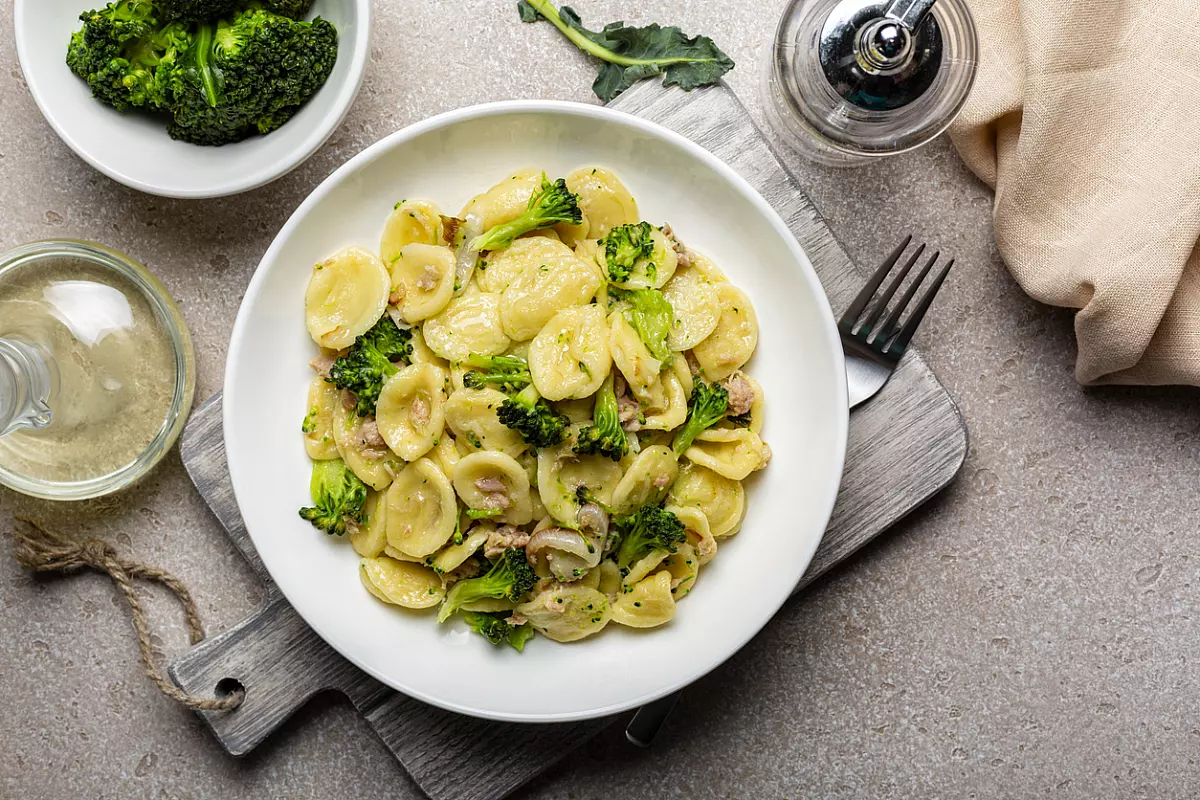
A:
[218,71]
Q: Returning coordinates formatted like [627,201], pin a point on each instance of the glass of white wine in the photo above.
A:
[97,370]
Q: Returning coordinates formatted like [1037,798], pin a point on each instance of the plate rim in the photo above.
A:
[571,108]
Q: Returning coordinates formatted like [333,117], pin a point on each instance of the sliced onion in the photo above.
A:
[464,267]
[563,553]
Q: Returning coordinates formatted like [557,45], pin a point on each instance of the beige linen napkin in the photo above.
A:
[1085,118]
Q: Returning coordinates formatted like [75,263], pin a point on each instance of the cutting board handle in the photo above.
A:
[280,662]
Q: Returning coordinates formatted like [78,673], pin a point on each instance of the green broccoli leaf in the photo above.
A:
[633,54]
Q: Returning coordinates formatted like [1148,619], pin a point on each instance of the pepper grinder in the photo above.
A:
[854,80]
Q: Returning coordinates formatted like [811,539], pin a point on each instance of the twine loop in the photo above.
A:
[40,550]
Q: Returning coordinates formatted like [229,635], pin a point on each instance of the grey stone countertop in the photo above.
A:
[1031,632]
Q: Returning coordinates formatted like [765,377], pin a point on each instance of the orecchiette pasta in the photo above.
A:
[544,419]
[346,295]
[469,324]
[648,604]
[411,222]
[732,343]
[494,482]
[730,452]
[570,358]
[410,412]
[605,201]
[422,280]
[323,400]
[422,510]
[401,583]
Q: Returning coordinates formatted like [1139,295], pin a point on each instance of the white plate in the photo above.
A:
[134,148]
[799,363]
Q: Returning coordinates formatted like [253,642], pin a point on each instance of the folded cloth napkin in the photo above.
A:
[1085,118]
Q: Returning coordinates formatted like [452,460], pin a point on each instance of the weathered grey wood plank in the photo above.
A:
[904,446]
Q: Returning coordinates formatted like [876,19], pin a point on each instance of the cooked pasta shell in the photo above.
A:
[610,578]
[410,412]
[648,604]
[323,399]
[422,280]
[604,200]
[346,295]
[469,324]
[561,471]
[453,555]
[733,341]
[570,358]
[631,356]
[699,536]
[552,281]
[567,613]
[731,452]
[647,479]
[683,566]
[471,414]
[505,201]
[445,452]
[411,222]
[369,538]
[494,481]
[373,466]
[723,501]
[643,567]
[697,310]
[422,509]
[670,408]
[401,583]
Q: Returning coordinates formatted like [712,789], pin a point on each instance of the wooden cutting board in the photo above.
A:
[904,446]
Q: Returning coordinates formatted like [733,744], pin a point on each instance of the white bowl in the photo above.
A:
[799,362]
[135,149]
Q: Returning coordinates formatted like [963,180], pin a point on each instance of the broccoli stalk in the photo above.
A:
[553,204]
[604,436]
[505,372]
[370,362]
[497,630]
[624,246]
[338,496]
[631,54]
[648,530]
[707,406]
[510,578]
[532,417]
[652,317]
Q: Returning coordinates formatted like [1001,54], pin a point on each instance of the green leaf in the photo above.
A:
[633,54]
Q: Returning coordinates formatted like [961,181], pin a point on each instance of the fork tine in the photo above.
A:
[910,327]
[888,329]
[881,304]
[868,291]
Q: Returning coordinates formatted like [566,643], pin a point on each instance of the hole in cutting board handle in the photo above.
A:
[227,686]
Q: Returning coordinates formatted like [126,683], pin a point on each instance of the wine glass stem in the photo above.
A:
[25,384]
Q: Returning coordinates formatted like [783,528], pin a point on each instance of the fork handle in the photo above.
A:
[646,723]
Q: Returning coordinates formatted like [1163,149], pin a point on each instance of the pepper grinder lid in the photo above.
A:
[872,77]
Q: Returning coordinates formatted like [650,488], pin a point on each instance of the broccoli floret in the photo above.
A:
[197,10]
[624,246]
[482,513]
[708,404]
[296,9]
[246,75]
[505,372]
[741,420]
[120,47]
[583,496]
[532,417]
[510,578]
[338,496]
[370,361]
[497,630]
[604,436]
[651,315]
[553,204]
[649,529]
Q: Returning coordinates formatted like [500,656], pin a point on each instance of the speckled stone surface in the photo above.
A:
[1031,633]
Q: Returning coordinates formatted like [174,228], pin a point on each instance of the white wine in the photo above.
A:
[109,371]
